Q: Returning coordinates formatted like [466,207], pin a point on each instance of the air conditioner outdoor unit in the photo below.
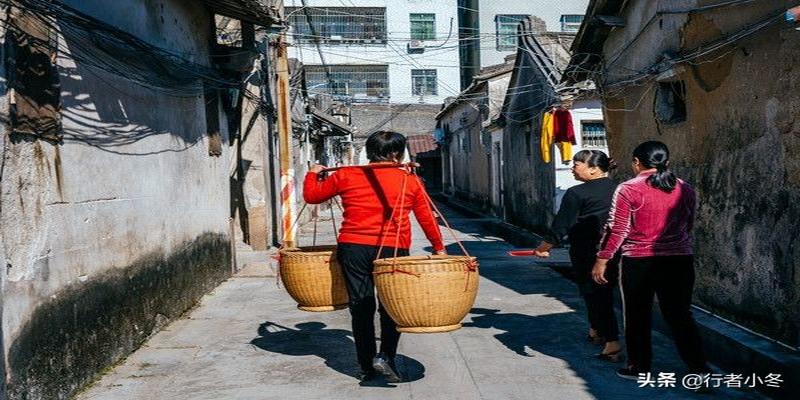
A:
[416,45]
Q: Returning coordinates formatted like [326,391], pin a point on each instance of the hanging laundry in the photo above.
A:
[563,133]
[546,142]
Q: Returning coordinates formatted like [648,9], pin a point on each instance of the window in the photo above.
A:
[593,134]
[368,83]
[507,30]
[571,22]
[338,25]
[670,103]
[423,26]
[423,82]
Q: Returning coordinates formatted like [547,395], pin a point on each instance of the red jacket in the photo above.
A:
[368,197]
[646,221]
[562,126]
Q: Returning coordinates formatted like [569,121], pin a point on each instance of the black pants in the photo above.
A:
[599,298]
[356,261]
[671,278]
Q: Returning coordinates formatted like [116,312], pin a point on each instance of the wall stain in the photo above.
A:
[710,71]
[89,326]
[59,173]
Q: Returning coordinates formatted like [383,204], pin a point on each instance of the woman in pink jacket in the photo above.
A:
[651,219]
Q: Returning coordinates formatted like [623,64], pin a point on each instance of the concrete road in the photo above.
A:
[525,339]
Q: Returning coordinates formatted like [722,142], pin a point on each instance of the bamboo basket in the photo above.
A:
[427,294]
[313,278]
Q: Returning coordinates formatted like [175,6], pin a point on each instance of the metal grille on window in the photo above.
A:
[366,83]
[423,82]
[507,30]
[335,25]
[423,26]
[593,134]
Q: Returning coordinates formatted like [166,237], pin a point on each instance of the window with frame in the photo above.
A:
[571,22]
[670,102]
[338,25]
[369,83]
[423,82]
[423,26]
[507,30]
[593,134]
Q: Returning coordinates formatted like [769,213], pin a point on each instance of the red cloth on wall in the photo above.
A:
[563,130]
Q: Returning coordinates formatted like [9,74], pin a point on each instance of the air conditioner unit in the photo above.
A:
[416,46]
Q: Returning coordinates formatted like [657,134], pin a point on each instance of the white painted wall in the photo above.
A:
[76,210]
[394,53]
[582,110]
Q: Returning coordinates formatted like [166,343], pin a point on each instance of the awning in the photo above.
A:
[420,144]
[252,11]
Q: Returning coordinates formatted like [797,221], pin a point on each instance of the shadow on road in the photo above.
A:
[335,346]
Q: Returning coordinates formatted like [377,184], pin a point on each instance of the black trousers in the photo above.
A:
[356,261]
[671,278]
[599,299]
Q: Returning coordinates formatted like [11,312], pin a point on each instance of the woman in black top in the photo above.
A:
[584,210]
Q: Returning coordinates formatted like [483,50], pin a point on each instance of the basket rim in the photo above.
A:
[423,260]
[309,250]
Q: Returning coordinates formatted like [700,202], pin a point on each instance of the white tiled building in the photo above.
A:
[378,51]
[495,27]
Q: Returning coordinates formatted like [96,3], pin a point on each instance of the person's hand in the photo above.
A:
[316,168]
[440,252]
[543,251]
[599,271]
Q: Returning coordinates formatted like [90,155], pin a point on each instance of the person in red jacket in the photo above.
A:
[651,221]
[375,216]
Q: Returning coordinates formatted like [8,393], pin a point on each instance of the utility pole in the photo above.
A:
[285,143]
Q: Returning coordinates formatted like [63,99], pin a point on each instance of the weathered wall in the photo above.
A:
[467,155]
[738,146]
[120,227]
[529,183]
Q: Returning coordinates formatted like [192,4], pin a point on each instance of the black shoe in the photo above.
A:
[385,366]
[365,376]
[629,373]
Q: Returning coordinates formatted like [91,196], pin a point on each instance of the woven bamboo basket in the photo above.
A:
[313,278]
[427,294]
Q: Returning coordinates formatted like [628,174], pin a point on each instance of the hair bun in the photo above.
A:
[612,164]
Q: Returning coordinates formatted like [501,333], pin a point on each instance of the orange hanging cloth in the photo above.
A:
[546,141]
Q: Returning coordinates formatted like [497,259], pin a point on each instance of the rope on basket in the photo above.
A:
[401,201]
[313,240]
[469,265]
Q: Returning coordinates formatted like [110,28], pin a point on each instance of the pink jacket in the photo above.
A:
[645,221]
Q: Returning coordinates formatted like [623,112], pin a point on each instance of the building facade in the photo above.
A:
[488,29]
[472,143]
[377,51]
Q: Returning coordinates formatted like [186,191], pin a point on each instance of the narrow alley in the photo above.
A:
[524,339]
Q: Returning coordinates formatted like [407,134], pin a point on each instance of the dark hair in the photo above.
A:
[385,146]
[595,158]
[654,154]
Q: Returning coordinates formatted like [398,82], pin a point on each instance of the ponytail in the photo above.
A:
[654,154]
